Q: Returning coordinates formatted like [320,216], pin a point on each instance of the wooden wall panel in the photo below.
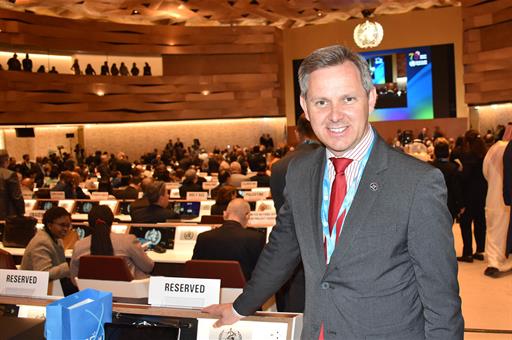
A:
[33,98]
[209,72]
[487,51]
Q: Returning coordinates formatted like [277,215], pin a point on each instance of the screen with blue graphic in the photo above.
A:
[411,83]
[405,90]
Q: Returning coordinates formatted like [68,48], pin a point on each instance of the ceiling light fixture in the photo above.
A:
[370,33]
[135,12]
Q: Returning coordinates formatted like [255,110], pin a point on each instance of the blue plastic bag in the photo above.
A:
[79,316]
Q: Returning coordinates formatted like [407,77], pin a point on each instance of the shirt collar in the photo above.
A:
[359,150]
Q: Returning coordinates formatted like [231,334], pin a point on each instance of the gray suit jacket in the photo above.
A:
[393,273]
[44,254]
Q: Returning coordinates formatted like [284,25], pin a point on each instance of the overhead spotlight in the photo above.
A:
[231,2]
[254,2]
[135,12]
[12,1]
[205,92]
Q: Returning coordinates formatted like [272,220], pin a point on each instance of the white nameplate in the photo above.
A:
[172,185]
[197,196]
[248,184]
[209,185]
[253,196]
[111,204]
[266,191]
[57,195]
[99,196]
[183,292]
[67,204]
[175,193]
[262,219]
[23,283]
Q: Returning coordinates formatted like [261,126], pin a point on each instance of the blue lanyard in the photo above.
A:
[330,239]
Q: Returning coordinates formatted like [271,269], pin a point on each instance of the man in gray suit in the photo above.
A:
[391,273]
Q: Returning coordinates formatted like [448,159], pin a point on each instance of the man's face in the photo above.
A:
[338,106]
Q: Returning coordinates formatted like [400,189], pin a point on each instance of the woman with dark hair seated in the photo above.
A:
[45,251]
[103,242]
[225,195]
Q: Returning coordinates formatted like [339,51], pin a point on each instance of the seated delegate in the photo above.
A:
[103,242]
[158,208]
[45,252]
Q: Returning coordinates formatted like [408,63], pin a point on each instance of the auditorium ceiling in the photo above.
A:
[280,13]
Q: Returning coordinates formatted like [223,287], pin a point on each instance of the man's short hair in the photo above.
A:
[333,56]
[303,127]
[154,190]
[441,148]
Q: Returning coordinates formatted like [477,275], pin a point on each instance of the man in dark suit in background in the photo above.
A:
[158,209]
[290,298]
[131,192]
[11,198]
[370,224]
[232,241]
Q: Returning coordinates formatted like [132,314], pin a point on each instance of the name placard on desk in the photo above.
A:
[172,185]
[57,195]
[197,196]
[23,282]
[253,196]
[262,219]
[183,292]
[248,184]
[99,196]
[209,185]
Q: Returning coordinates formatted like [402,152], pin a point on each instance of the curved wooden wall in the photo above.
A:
[487,51]
[195,60]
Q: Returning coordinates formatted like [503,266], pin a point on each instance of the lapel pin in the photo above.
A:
[374,186]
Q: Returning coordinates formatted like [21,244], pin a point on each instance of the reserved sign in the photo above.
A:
[248,184]
[183,292]
[197,196]
[23,282]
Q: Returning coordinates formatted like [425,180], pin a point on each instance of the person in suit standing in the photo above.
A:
[391,273]
[11,198]
[232,241]
[290,298]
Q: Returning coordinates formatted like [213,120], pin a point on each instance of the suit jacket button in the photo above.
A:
[325,285]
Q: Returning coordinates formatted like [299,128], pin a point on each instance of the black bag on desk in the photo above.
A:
[136,327]
[18,231]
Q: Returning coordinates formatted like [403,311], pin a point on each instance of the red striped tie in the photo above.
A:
[338,192]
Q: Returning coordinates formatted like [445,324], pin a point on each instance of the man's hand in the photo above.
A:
[224,311]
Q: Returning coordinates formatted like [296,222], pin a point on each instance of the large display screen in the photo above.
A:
[411,83]
[403,80]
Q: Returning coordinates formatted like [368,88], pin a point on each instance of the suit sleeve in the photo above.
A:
[430,242]
[276,263]
[14,189]
[42,260]
[138,256]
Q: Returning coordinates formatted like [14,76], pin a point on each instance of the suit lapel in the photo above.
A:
[316,173]
[364,199]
